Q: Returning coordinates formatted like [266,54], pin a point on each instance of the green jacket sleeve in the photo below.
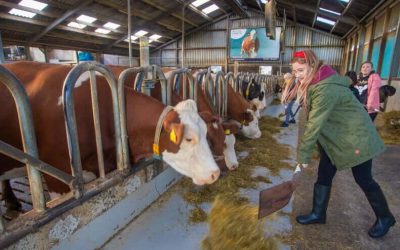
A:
[322,101]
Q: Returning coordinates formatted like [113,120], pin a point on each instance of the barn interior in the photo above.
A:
[206,36]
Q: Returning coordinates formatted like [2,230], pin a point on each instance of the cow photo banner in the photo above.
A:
[252,44]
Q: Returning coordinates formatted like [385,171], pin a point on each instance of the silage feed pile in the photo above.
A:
[232,220]
[388,125]
[234,225]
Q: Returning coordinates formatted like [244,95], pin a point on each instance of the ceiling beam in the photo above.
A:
[310,8]
[315,14]
[343,13]
[260,5]
[237,7]
[59,20]
[169,12]
[195,10]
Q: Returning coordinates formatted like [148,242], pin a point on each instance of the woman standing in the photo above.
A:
[368,85]
[346,137]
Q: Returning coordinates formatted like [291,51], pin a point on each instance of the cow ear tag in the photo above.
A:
[173,137]
[156,149]
[227,131]
[247,92]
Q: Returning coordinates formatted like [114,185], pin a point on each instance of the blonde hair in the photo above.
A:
[300,89]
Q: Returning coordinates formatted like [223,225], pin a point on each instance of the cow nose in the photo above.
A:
[234,166]
[215,175]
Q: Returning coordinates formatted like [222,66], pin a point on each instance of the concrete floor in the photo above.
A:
[164,224]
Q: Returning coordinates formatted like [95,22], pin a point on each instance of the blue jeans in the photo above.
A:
[289,111]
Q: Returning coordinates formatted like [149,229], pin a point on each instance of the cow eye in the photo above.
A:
[188,139]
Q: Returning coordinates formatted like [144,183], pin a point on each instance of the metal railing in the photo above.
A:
[185,74]
[70,119]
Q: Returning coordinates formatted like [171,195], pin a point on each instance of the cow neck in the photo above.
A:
[156,145]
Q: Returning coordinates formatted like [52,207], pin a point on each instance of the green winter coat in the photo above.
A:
[340,124]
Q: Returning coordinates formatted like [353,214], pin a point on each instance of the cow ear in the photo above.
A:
[206,116]
[261,96]
[174,127]
[231,127]
[253,107]
[248,116]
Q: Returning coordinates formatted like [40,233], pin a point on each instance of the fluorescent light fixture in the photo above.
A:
[86,19]
[111,25]
[33,4]
[102,31]
[210,8]
[154,37]
[330,11]
[324,20]
[22,13]
[197,3]
[141,33]
[77,25]
[133,38]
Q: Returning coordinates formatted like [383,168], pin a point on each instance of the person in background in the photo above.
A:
[289,83]
[368,85]
[353,77]
[345,135]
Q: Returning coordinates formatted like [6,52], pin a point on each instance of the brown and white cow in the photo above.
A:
[43,83]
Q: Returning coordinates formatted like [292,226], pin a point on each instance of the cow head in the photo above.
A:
[250,127]
[230,127]
[194,158]
[215,138]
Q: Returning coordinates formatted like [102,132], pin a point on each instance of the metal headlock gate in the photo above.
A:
[205,80]
[141,84]
[35,166]
[221,94]
[174,81]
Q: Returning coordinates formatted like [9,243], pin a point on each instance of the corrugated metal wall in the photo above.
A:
[210,45]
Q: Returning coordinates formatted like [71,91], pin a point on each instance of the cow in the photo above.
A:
[255,94]
[219,133]
[242,111]
[189,154]
[250,45]
[224,154]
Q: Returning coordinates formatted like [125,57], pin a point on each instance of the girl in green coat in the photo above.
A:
[345,135]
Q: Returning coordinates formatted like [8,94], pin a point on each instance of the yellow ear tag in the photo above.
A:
[247,92]
[173,137]
[227,131]
[156,149]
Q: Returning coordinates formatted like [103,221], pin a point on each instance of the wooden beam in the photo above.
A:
[343,13]
[237,7]
[315,14]
[195,10]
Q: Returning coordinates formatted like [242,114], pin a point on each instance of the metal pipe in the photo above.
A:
[96,120]
[70,119]
[27,133]
[183,36]
[129,32]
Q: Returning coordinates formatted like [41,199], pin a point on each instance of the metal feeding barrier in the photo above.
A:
[142,84]
[185,74]
[70,119]
[30,154]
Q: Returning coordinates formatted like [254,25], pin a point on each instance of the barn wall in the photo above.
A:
[209,46]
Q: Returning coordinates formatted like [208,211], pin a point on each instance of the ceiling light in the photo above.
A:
[197,3]
[154,37]
[133,38]
[111,25]
[141,33]
[22,13]
[330,11]
[77,25]
[324,20]
[102,31]
[86,19]
[33,4]
[346,1]
[210,8]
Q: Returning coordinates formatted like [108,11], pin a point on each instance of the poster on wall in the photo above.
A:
[252,44]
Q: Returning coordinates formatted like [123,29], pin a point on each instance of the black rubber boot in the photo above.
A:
[320,204]
[384,218]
